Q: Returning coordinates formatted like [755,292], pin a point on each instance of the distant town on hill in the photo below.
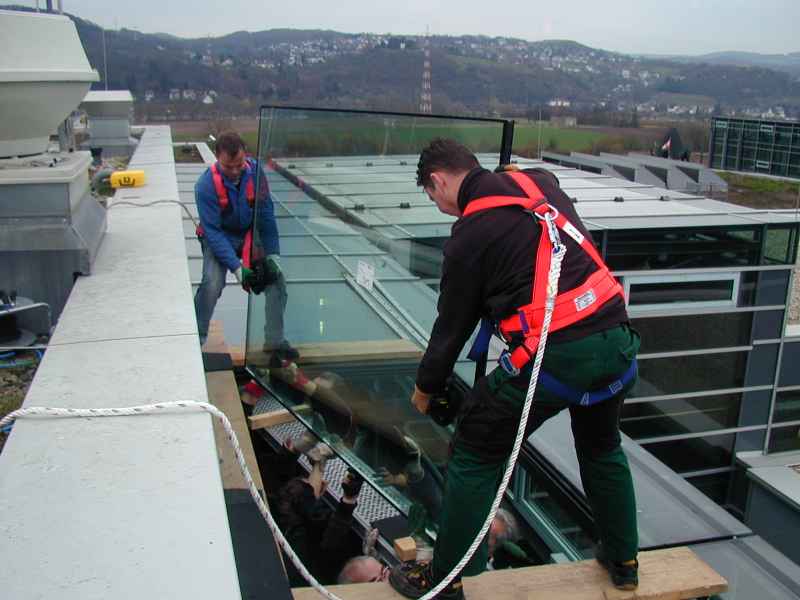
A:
[174,77]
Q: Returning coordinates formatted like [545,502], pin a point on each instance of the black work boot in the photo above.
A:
[624,575]
[414,580]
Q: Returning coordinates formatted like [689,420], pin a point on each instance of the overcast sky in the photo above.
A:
[633,26]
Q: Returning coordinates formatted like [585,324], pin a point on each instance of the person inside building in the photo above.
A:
[320,537]
[226,204]
[495,267]
[363,569]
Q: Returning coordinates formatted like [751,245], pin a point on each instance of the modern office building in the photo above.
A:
[755,146]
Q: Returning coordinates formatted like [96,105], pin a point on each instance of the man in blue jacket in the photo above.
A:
[226,204]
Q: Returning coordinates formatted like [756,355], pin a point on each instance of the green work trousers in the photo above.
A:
[473,476]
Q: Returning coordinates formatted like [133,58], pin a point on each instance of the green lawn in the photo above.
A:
[759,184]
[372,135]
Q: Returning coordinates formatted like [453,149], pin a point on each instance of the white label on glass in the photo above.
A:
[366,275]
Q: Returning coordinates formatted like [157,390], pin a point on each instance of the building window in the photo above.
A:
[686,374]
[714,486]
[781,245]
[683,248]
[695,454]
[787,407]
[703,289]
[679,416]
[693,332]
[784,439]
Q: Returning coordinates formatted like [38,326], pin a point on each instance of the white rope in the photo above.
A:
[552,290]
[41,411]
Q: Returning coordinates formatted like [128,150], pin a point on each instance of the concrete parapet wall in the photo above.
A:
[123,506]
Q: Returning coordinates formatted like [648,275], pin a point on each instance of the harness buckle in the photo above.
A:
[505,363]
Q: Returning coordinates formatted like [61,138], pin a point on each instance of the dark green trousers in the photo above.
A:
[485,434]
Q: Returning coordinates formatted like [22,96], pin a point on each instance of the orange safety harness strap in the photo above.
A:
[570,306]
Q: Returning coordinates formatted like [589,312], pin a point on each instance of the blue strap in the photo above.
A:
[556,387]
[481,344]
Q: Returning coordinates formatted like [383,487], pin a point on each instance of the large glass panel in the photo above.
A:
[695,454]
[781,244]
[750,132]
[783,136]
[548,512]
[787,406]
[784,439]
[716,486]
[790,374]
[683,248]
[702,291]
[683,374]
[693,332]
[684,415]
[348,300]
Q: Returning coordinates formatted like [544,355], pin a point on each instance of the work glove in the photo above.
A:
[351,484]
[272,270]
[244,276]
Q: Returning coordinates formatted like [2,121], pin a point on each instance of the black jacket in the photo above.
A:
[488,271]
[319,536]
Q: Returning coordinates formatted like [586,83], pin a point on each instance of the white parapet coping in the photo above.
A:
[120,507]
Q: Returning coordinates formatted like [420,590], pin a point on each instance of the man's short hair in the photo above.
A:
[230,143]
[348,572]
[444,155]
[511,531]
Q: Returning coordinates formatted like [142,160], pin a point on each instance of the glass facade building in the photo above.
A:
[361,250]
[756,146]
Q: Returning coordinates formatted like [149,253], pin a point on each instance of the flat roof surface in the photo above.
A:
[381,191]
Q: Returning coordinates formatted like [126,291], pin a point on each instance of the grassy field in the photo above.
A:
[364,136]
[760,192]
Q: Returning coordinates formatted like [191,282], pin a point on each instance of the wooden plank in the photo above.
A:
[270,419]
[671,574]
[276,417]
[215,342]
[360,351]
[237,356]
[223,393]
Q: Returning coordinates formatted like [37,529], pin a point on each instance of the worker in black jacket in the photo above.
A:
[589,363]
[319,536]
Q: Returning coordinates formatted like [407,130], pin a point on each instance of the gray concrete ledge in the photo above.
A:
[120,507]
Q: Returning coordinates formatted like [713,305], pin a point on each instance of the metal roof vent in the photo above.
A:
[50,224]
[44,74]
[619,199]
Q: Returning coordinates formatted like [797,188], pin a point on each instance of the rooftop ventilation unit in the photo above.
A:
[50,225]
[109,114]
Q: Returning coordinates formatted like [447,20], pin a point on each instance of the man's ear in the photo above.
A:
[437,181]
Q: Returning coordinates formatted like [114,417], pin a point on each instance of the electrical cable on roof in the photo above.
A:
[134,204]
[559,250]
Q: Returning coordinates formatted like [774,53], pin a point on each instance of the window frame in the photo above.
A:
[630,280]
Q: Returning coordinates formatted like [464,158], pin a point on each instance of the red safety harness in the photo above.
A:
[222,198]
[571,306]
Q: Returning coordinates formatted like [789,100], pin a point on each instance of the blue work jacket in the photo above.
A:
[224,231]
